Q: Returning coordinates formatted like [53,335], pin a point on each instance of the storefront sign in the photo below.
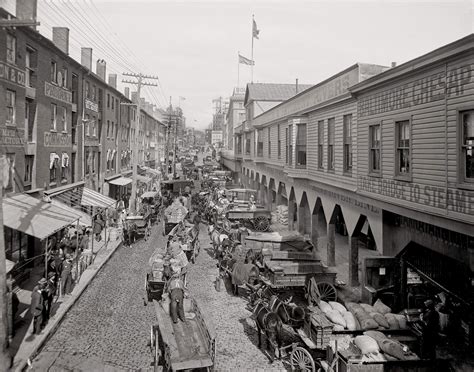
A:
[90,105]
[12,137]
[12,74]
[428,89]
[53,139]
[344,199]
[58,93]
[459,201]
[91,141]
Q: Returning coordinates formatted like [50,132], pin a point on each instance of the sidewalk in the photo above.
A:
[25,345]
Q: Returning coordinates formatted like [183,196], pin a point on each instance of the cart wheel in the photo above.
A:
[301,360]
[261,223]
[156,360]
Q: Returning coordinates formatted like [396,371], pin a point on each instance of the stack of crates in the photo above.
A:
[318,328]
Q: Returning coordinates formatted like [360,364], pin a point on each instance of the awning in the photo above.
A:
[9,265]
[121,181]
[153,171]
[92,198]
[84,218]
[143,179]
[35,217]
[149,194]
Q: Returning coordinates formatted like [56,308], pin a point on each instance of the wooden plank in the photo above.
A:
[166,329]
[289,255]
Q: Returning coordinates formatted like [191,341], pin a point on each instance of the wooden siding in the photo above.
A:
[430,99]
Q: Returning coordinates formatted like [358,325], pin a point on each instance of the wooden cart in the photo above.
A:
[183,346]
[259,218]
[137,226]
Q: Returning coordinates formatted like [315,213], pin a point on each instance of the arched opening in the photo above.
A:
[272,193]
[292,211]
[282,205]
[304,216]
[318,223]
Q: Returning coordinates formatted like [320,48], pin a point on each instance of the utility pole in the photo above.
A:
[168,133]
[139,82]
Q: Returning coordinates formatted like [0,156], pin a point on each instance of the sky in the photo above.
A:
[192,46]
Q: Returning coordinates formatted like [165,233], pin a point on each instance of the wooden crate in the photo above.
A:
[279,280]
[295,267]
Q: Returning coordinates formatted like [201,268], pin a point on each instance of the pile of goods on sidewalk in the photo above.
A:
[282,215]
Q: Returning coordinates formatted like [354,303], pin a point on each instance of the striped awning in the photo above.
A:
[121,181]
[92,198]
[84,218]
[35,217]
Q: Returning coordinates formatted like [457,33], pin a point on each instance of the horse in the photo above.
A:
[242,273]
[268,322]
[289,314]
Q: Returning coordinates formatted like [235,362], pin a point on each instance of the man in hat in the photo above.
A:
[37,304]
[66,276]
[176,291]
[430,324]
[48,296]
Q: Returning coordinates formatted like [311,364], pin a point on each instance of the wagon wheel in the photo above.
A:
[156,358]
[261,223]
[301,360]
[327,292]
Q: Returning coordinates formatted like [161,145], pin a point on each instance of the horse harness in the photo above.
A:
[276,303]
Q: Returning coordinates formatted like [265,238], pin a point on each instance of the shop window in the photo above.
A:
[301,146]
[54,72]
[10,172]
[279,141]
[54,117]
[11,49]
[374,145]
[53,167]
[11,101]
[290,144]
[16,245]
[64,166]
[331,129]
[467,145]
[347,121]
[29,161]
[321,144]
[260,142]
[269,143]
[402,133]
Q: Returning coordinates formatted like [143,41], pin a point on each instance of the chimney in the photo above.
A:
[86,58]
[26,10]
[127,92]
[296,86]
[100,69]
[61,38]
[113,80]
[394,64]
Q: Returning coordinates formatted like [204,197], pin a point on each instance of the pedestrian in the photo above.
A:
[430,326]
[66,276]
[37,304]
[48,296]
[176,291]
[99,225]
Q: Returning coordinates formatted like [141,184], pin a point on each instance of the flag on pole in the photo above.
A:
[255,31]
[246,61]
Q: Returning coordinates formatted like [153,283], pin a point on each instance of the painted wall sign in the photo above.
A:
[53,139]
[459,201]
[425,90]
[58,93]
[344,199]
[91,141]
[12,137]
[12,74]
[91,105]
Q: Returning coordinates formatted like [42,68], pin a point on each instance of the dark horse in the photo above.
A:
[270,323]
[289,314]
[239,272]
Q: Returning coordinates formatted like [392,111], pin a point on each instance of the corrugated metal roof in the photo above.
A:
[35,217]
[95,199]
[272,92]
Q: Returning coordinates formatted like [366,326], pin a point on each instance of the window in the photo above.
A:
[11,101]
[54,72]
[279,141]
[286,145]
[53,166]
[93,162]
[269,143]
[108,100]
[88,90]
[467,135]
[11,49]
[112,103]
[65,77]
[301,146]
[87,161]
[30,63]
[290,144]
[9,172]
[108,128]
[64,166]
[94,93]
[402,132]
[94,129]
[74,87]
[247,144]
[29,159]
[87,124]
[374,144]
[112,130]
[54,114]
[64,119]
[321,144]
[331,128]
[347,121]
[241,117]
[27,121]
[16,246]
[260,142]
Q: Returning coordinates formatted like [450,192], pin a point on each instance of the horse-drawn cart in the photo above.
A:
[136,226]
[183,346]
[258,218]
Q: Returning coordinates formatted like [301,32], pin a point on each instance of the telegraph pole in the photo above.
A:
[139,82]
[167,148]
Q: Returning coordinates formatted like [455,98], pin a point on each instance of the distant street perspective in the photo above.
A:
[236,186]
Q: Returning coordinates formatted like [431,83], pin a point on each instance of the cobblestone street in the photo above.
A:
[108,328]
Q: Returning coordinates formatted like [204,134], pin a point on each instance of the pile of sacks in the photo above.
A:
[355,316]
[282,214]
[175,257]
[375,346]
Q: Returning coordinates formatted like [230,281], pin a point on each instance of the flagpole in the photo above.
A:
[238,69]
[251,66]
